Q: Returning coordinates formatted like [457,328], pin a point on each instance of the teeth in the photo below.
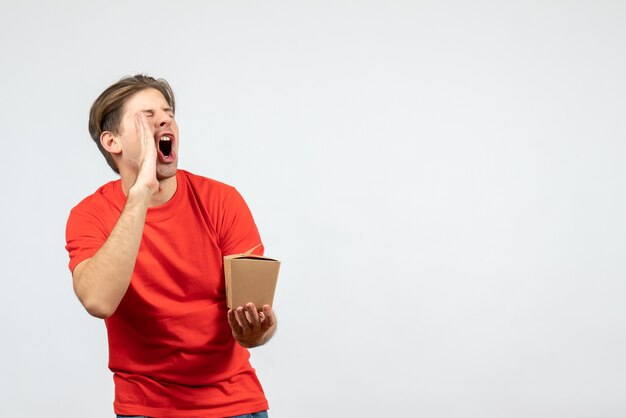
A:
[165,138]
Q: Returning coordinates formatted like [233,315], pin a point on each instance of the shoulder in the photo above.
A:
[105,201]
[218,197]
[207,187]
[203,181]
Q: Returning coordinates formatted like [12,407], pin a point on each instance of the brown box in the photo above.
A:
[250,278]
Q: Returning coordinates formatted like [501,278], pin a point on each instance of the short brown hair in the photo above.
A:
[106,111]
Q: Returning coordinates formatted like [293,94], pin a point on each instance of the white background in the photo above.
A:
[443,180]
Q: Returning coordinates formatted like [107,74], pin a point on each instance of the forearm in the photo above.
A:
[101,281]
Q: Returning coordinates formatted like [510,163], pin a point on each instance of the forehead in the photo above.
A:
[144,100]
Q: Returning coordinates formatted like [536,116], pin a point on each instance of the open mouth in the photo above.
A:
[165,145]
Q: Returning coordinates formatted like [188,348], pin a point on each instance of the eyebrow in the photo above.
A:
[151,111]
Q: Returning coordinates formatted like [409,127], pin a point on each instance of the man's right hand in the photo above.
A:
[146,178]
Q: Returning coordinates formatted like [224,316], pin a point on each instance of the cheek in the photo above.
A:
[131,147]
[176,132]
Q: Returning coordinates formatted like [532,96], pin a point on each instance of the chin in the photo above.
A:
[167,172]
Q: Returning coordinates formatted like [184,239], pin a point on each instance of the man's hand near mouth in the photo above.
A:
[147,168]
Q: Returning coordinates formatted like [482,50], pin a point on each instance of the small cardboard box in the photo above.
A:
[250,278]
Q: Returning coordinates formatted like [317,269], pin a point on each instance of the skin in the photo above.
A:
[251,328]
[101,281]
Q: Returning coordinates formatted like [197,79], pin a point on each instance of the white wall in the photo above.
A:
[443,180]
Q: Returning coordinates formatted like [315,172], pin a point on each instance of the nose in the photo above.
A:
[163,119]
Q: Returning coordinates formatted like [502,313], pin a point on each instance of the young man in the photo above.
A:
[146,255]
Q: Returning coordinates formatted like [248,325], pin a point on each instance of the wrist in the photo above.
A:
[139,193]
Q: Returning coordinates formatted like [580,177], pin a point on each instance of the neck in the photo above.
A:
[167,188]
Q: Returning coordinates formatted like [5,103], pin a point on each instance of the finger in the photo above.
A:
[232,321]
[270,319]
[236,314]
[142,125]
[253,316]
[241,318]
[145,133]
[139,128]
[148,155]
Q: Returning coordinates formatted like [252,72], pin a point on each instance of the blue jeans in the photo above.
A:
[261,414]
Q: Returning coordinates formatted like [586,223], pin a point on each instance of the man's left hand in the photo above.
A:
[251,328]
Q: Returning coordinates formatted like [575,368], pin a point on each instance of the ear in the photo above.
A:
[110,142]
